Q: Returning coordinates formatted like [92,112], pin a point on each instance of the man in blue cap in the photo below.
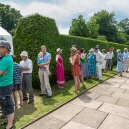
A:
[6,83]
[99,59]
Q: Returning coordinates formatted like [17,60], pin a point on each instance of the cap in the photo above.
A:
[95,48]
[5,44]
[24,53]
[58,50]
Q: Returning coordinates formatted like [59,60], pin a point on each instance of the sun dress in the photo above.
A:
[120,67]
[76,71]
[60,71]
[92,64]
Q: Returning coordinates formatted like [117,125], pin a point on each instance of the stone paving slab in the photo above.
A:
[114,122]
[127,91]
[115,110]
[107,99]
[110,85]
[67,112]
[102,92]
[90,95]
[87,103]
[90,117]
[120,95]
[76,125]
[125,86]
[116,89]
[123,103]
[47,122]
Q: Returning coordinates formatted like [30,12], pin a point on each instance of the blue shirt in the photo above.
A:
[17,78]
[39,61]
[126,55]
[119,55]
[46,57]
[6,66]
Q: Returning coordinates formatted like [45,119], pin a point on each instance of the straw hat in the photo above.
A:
[91,50]
[59,50]
[118,50]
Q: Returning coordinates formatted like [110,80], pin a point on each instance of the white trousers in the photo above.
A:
[99,70]
[45,85]
[126,64]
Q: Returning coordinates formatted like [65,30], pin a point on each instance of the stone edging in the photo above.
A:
[64,104]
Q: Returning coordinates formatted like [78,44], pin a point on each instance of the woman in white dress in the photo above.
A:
[104,61]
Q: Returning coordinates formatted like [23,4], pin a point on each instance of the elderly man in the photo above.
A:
[99,59]
[6,83]
[43,75]
[126,59]
[27,67]
[109,57]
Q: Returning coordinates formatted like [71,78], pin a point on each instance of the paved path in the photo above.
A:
[105,106]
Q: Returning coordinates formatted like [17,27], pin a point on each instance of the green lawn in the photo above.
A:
[42,105]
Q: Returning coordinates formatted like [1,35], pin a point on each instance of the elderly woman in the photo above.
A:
[76,72]
[91,62]
[126,59]
[120,62]
[84,63]
[59,69]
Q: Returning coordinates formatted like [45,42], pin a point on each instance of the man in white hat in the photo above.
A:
[126,59]
[27,67]
[6,83]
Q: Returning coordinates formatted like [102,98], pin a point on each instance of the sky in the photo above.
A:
[63,11]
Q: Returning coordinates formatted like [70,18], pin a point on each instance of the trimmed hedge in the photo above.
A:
[35,30]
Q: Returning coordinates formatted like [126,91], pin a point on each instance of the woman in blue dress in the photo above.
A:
[120,62]
[91,62]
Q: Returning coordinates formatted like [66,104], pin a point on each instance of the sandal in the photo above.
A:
[10,128]
[6,122]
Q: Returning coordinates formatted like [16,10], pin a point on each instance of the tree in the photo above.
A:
[123,26]
[93,28]
[79,27]
[107,25]
[9,17]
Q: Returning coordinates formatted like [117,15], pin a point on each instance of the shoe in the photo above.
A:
[9,128]
[42,94]
[30,101]
[84,87]
[6,122]
[24,99]
[3,116]
[49,96]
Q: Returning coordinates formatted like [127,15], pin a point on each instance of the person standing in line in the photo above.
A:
[112,49]
[84,64]
[91,63]
[17,81]
[81,76]
[104,60]
[59,69]
[109,57]
[120,62]
[43,75]
[6,83]
[126,59]
[99,59]
[27,67]
[76,72]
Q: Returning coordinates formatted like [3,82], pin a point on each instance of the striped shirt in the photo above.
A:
[17,78]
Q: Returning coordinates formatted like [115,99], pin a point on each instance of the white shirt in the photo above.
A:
[109,55]
[99,57]
[27,63]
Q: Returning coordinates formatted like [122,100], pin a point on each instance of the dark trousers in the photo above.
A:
[27,85]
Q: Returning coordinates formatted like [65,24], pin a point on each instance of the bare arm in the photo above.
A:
[72,59]
[57,56]
[46,63]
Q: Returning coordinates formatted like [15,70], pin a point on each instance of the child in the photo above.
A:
[17,80]
[40,61]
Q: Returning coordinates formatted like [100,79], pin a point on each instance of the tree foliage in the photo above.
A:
[107,25]
[79,27]
[9,17]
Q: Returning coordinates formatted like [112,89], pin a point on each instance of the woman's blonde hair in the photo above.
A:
[73,50]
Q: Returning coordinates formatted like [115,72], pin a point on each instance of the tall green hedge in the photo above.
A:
[35,30]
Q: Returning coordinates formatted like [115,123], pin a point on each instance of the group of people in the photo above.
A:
[18,77]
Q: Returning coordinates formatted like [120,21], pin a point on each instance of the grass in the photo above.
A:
[43,105]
